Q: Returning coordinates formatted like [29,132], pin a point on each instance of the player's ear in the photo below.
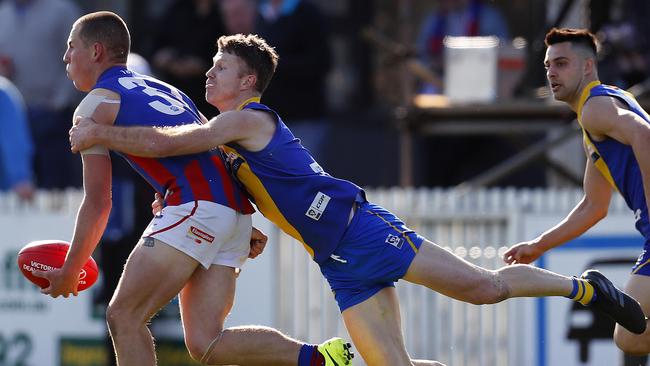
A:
[98,50]
[590,66]
[249,81]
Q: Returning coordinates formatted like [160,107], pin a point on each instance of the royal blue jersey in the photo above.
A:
[145,101]
[616,161]
[290,189]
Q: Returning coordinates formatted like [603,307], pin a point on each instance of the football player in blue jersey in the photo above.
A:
[361,248]
[194,247]
[616,138]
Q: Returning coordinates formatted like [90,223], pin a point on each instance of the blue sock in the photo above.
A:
[309,356]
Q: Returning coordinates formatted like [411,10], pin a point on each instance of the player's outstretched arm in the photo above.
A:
[233,126]
[591,209]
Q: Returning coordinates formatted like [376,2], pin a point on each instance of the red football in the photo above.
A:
[45,255]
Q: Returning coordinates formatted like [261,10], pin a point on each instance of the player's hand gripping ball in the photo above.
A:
[45,255]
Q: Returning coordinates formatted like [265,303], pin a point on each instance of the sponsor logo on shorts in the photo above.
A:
[201,235]
[395,241]
[640,259]
[637,215]
[318,206]
[148,242]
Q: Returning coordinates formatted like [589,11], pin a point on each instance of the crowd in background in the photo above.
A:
[331,81]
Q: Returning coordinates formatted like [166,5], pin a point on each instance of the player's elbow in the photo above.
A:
[594,210]
[601,213]
[598,212]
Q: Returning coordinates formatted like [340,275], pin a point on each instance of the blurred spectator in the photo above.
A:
[16,147]
[33,38]
[624,48]
[462,157]
[139,64]
[184,47]
[239,16]
[456,18]
[299,33]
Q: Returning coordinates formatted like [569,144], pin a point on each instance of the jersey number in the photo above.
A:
[172,107]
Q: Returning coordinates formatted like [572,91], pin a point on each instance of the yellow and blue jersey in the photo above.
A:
[291,189]
[616,161]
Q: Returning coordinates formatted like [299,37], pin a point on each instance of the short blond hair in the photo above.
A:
[259,57]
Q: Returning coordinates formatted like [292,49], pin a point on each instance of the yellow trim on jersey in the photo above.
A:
[600,164]
[264,202]
[249,100]
[641,266]
[415,249]
[583,98]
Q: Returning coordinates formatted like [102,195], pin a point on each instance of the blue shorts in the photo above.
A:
[642,266]
[376,251]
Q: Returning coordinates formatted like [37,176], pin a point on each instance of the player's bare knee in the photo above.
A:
[202,348]
[632,344]
[114,317]
[120,319]
[489,289]
[502,289]
[197,348]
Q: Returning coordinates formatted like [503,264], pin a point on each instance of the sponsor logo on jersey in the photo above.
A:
[318,206]
[316,168]
[338,258]
[593,154]
[395,241]
[200,235]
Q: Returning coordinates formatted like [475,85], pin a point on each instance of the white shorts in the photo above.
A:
[206,231]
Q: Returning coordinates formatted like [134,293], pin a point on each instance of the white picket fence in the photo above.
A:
[476,225]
